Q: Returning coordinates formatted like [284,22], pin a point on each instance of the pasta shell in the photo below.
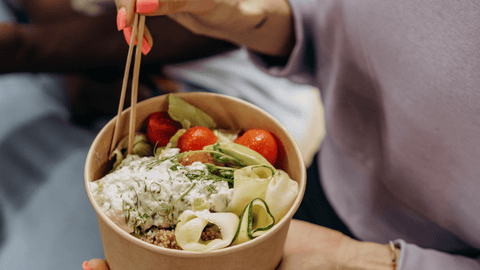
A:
[191,224]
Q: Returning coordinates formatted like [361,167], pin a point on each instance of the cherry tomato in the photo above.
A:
[261,141]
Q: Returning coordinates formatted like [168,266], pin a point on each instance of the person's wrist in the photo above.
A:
[274,34]
[368,256]
[265,27]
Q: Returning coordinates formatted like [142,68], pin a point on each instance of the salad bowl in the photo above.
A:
[125,252]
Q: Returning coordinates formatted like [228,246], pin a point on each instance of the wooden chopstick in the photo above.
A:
[136,75]
[135,29]
[124,84]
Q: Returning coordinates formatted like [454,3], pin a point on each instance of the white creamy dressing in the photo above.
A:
[146,191]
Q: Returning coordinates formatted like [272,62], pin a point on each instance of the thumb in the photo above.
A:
[95,264]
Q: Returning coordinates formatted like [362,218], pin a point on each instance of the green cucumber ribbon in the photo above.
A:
[255,220]
[242,153]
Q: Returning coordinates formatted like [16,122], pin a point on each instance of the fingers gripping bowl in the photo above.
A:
[124,251]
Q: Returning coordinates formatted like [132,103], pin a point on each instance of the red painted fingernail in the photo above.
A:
[85,266]
[121,18]
[127,32]
[147,6]
[145,46]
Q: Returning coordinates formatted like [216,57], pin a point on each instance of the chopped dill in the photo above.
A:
[195,174]
[211,188]
[168,209]
[176,167]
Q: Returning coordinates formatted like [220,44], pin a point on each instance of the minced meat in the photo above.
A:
[210,233]
[166,237]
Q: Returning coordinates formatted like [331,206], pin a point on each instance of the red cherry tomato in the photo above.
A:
[195,138]
[161,127]
[261,141]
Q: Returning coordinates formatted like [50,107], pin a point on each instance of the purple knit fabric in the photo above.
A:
[400,83]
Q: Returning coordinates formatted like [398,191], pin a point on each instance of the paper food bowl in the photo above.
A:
[125,252]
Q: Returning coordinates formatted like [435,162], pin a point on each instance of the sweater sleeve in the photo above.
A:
[415,258]
[300,65]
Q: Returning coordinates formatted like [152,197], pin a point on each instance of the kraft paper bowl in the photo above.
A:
[125,252]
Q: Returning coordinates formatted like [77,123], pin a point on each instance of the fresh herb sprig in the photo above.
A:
[218,173]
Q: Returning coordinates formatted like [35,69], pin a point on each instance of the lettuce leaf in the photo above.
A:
[187,114]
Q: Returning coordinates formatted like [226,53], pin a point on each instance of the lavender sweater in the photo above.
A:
[400,82]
